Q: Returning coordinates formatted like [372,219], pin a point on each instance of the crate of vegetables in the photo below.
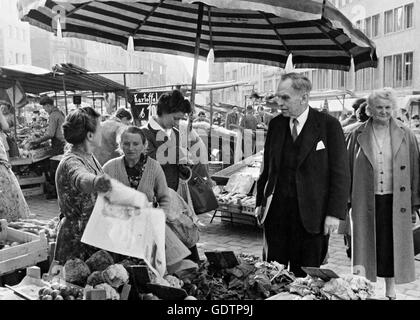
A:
[19,249]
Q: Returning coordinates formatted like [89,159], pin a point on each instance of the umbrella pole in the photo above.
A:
[93,99]
[65,96]
[14,108]
[211,110]
[56,99]
[102,106]
[125,91]
[196,53]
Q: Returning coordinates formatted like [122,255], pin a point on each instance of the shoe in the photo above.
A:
[391,298]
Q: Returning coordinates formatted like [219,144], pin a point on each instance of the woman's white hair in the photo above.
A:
[384,94]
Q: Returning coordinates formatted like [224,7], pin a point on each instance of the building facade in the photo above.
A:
[394,27]
[14,36]
[260,78]
[49,50]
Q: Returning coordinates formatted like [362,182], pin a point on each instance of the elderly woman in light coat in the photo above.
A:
[384,162]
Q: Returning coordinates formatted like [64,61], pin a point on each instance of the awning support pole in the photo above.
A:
[196,53]
[102,106]
[65,96]
[14,108]
[125,91]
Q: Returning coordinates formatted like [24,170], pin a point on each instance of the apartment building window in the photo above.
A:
[359,24]
[408,69]
[359,80]
[375,26]
[368,27]
[408,15]
[398,18]
[235,75]
[388,71]
[227,76]
[389,21]
[397,66]
[341,79]
[10,32]
[398,70]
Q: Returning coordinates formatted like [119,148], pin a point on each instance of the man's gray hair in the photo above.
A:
[299,82]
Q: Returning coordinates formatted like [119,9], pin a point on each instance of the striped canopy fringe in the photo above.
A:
[262,32]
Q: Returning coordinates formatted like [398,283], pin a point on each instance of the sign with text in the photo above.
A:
[141,104]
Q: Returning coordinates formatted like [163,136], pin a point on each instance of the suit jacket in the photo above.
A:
[322,177]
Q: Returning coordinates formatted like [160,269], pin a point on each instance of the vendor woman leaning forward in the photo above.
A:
[79,177]
[384,161]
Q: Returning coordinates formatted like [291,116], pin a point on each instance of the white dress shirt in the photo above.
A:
[301,121]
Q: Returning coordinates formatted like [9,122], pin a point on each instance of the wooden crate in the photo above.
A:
[249,210]
[32,250]
[31,180]
[32,186]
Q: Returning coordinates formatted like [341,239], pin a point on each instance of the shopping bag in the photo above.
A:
[182,219]
[201,191]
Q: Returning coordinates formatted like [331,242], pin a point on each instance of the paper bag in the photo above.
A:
[175,250]
[126,230]
[120,194]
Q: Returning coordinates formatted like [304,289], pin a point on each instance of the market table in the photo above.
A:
[235,207]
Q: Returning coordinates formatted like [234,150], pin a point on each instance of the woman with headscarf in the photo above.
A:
[384,162]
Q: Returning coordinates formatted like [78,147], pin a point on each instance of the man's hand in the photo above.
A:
[258,215]
[331,225]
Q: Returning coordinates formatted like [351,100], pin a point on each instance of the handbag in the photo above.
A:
[182,220]
[201,191]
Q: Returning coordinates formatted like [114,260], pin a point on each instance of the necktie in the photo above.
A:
[294,130]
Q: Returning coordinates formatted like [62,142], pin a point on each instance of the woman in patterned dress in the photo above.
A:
[12,202]
[79,178]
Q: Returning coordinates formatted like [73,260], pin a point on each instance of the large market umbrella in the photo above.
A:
[314,32]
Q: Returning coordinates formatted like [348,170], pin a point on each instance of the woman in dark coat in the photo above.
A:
[79,178]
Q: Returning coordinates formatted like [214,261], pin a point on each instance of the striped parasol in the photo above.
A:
[254,31]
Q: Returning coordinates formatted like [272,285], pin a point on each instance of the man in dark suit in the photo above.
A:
[306,171]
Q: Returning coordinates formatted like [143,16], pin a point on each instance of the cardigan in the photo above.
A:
[152,183]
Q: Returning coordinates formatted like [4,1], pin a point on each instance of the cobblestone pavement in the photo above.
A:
[221,235]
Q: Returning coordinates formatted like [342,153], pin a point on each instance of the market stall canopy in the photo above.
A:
[314,32]
[200,87]
[37,80]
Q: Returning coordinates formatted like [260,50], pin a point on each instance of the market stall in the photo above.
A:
[236,190]
[16,82]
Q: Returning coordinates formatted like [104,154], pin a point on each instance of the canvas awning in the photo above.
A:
[38,80]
